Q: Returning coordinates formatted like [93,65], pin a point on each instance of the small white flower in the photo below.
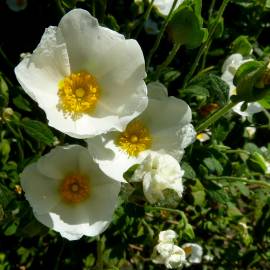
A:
[208,257]
[163,127]
[17,5]
[87,78]
[69,193]
[229,68]
[170,255]
[167,236]
[193,253]
[159,172]
[164,6]
[250,132]
[204,136]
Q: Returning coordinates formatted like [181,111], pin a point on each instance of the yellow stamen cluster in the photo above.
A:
[188,250]
[135,139]
[78,93]
[74,188]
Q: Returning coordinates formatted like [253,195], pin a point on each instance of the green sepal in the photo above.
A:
[249,81]
[242,45]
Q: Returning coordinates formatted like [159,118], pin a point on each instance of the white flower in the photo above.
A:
[204,136]
[208,257]
[88,79]
[16,5]
[193,253]
[250,132]
[159,172]
[69,193]
[167,236]
[164,6]
[229,68]
[163,127]
[170,255]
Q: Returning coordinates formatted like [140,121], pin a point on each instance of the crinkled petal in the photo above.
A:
[40,73]
[111,159]
[196,252]
[61,161]
[40,190]
[252,108]
[233,60]
[167,236]
[157,90]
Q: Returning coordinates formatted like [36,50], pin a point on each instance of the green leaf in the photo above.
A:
[185,27]
[189,172]
[213,165]
[4,150]
[189,233]
[242,45]
[218,196]
[22,103]
[6,196]
[198,193]
[195,90]
[257,163]
[3,92]
[217,88]
[265,102]
[38,131]
[111,23]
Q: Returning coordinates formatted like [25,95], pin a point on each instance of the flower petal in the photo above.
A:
[40,73]
[60,161]
[40,191]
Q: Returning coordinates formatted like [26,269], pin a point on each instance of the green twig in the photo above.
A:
[237,179]
[57,264]
[60,7]
[215,116]
[160,35]
[145,17]
[205,45]
[99,263]
[169,59]
[8,62]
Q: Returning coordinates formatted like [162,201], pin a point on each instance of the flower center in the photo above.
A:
[188,250]
[135,139]
[74,188]
[78,93]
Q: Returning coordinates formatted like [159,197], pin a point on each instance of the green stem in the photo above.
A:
[145,17]
[244,180]
[211,8]
[6,59]
[205,45]
[205,55]
[267,114]
[215,116]
[60,7]
[169,59]
[57,264]
[99,263]
[160,35]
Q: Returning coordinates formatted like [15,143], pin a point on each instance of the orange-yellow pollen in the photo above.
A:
[78,94]
[135,139]
[188,250]
[74,188]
